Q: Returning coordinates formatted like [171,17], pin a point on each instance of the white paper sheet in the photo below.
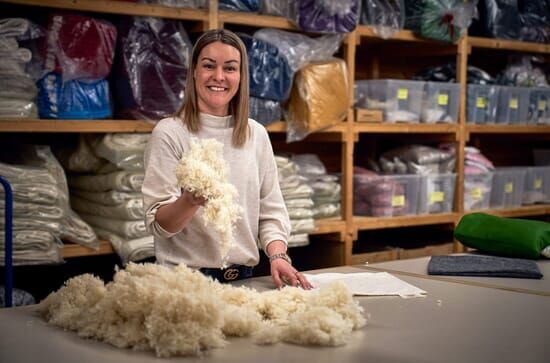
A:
[368,283]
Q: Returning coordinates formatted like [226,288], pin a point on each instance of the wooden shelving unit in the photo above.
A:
[400,44]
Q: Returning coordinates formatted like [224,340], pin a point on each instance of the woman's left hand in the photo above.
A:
[283,273]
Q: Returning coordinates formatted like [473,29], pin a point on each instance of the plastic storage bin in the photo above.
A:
[477,190]
[385,196]
[440,102]
[537,185]
[539,106]
[481,103]
[437,193]
[513,105]
[507,189]
[400,100]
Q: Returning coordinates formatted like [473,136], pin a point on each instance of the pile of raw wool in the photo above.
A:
[202,170]
[182,312]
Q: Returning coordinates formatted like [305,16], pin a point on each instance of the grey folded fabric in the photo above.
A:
[490,266]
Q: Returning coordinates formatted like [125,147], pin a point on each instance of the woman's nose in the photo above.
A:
[218,74]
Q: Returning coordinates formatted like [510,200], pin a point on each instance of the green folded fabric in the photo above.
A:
[503,236]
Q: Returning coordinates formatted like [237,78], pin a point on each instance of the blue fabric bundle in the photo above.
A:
[72,99]
[270,74]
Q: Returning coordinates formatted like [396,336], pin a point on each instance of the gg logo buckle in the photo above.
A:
[231,274]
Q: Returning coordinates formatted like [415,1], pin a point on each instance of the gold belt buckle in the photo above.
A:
[231,274]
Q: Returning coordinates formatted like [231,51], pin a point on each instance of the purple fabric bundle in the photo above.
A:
[328,16]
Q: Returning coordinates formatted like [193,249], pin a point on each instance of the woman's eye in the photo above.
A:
[230,69]
[208,66]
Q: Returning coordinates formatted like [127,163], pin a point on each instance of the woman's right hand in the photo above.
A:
[192,198]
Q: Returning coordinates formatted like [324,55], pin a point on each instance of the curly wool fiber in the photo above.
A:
[203,171]
[182,312]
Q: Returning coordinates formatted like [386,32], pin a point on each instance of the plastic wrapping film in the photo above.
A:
[110,197]
[74,229]
[265,111]
[499,19]
[270,74]
[20,29]
[75,99]
[523,71]
[29,209]
[124,228]
[129,250]
[535,21]
[189,4]
[82,159]
[79,46]
[152,68]
[326,16]
[319,98]
[33,248]
[131,209]
[18,108]
[386,17]
[440,19]
[276,7]
[124,150]
[125,181]
[250,6]
[299,49]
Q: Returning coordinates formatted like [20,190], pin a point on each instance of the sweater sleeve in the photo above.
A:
[160,185]
[274,223]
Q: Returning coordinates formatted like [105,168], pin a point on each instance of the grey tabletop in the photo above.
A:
[419,267]
[453,323]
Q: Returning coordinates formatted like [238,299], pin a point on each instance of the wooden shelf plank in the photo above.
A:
[73,250]
[119,7]
[57,126]
[326,226]
[280,126]
[504,44]
[257,20]
[366,31]
[507,129]
[364,223]
[387,127]
[523,211]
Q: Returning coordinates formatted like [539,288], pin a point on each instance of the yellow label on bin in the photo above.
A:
[443,99]
[481,102]
[437,197]
[398,201]
[402,93]
[538,183]
[508,188]
[476,193]
[513,103]
[542,105]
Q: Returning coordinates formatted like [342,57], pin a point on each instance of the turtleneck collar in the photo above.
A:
[220,122]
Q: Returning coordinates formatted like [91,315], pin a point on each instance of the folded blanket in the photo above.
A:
[131,209]
[490,266]
[124,228]
[124,181]
[129,250]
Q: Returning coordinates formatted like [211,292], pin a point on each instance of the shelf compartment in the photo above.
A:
[524,211]
[57,126]
[382,128]
[504,44]
[375,256]
[366,223]
[507,129]
[119,7]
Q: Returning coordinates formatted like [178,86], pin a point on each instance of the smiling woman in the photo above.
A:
[216,107]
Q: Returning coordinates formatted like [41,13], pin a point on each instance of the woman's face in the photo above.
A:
[217,77]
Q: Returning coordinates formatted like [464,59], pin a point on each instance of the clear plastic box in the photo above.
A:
[437,192]
[537,185]
[513,105]
[507,189]
[385,196]
[400,100]
[440,102]
[539,106]
[477,190]
[481,103]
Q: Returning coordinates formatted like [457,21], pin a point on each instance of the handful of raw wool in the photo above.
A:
[202,171]
[180,311]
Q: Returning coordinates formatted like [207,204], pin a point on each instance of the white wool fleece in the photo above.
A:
[251,170]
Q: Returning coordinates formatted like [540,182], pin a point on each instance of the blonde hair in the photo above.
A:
[238,106]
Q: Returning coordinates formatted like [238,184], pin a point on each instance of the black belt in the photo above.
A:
[231,273]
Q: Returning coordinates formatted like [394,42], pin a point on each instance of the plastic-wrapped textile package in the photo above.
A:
[72,99]
[152,66]
[79,46]
[299,49]
[188,4]
[319,98]
[276,7]
[326,16]
[499,19]
[265,111]
[385,16]
[440,19]
[249,6]
[20,29]
[535,21]
[270,74]
[17,87]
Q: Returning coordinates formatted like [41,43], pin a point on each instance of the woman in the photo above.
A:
[216,106]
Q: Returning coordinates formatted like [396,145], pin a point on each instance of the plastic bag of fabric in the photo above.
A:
[124,150]
[499,19]
[535,21]
[152,66]
[385,16]
[319,98]
[299,49]
[79,46]
[276,8]
[249,6]
[74,229]
[440,19]
[264,111]
[326,16]
[18,109]
[129,250]
[20,29]
[523,71]
[270,74]
[73,99]
[189,4]
[17,87]
[131,209]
